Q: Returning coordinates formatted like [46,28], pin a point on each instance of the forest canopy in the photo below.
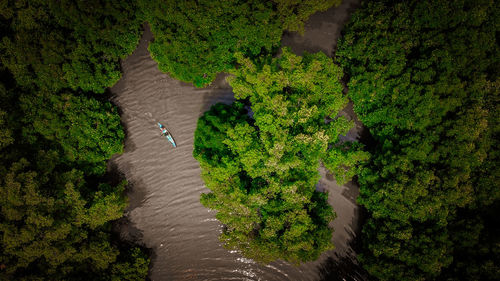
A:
[424,78]
[88,130]
[56,213]
[57,204]
[53,44]
[195,40]
[262,170]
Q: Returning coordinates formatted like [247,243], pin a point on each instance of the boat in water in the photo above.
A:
[166,133]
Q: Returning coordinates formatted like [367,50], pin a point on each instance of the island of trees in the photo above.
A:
[262,170]
[423,77]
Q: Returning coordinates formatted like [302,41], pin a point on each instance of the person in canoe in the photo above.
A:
[166,133]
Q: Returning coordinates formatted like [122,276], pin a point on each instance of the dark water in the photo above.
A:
[165,213]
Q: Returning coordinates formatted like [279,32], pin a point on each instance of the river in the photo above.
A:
[165,213]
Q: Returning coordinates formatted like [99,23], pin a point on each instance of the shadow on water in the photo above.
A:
[322,30]
[135,191]
[351,191]
[341,269]
[124,232]
[305,46]
[345,267]
[220,91]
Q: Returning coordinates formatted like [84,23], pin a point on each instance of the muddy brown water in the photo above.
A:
[165,213]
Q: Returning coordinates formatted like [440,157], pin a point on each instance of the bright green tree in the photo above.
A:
[262,170]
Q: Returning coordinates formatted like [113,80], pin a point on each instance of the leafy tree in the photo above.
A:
[6,134]
[46,224]
[262,170]
[132,265]
[195,40]
[54,225]
[55,211]
[68,44]
[424,80]
[294,13]
[476,236]
[88,131]
[263,220]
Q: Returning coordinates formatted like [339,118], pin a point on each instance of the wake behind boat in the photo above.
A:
[166,133]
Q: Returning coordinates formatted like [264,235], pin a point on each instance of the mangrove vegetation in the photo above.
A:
[424,78]
[195,40]
[56,134]
[262,170]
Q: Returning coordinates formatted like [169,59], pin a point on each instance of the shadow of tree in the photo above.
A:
[343,266]
[340,268]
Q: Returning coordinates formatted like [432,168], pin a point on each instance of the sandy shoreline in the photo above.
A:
[165,213]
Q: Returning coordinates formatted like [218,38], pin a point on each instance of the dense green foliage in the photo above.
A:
[424,80]
[262,170]
[68,44]
[47,225]
[56,205]
[294,13]
[195,40]
[88,130]
[54,223]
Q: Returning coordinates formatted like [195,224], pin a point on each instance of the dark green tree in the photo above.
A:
[6,134]
[47,227]
[131,265]
[53,224]
[68,44]
[56,208]
[88,130]
[195,40]
[424,80]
